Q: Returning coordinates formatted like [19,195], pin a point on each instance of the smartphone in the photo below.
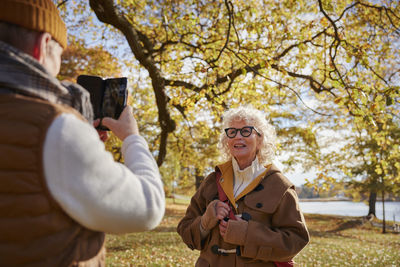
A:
[108,96]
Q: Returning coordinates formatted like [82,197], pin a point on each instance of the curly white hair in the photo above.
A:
[256,118]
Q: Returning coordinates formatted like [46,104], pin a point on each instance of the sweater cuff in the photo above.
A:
[132,139]
[236,232]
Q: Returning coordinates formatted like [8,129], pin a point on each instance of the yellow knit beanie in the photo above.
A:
[37,15]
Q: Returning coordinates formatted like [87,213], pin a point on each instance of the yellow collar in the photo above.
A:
[226,182]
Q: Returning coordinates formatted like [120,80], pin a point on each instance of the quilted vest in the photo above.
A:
[34,230]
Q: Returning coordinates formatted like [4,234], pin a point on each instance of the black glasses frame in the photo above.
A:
[243,131]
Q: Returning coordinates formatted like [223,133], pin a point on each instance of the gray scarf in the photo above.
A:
[22,74]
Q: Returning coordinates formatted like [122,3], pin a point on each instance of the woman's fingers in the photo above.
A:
[222,227]
[222,210]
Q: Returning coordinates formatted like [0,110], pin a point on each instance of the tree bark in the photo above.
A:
[372,204]
[199,179]
[141,46]
[383,211]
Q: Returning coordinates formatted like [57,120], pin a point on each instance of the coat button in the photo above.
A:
[246,216]
[259,187]
[259,205]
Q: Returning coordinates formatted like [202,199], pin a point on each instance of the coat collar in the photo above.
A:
[226,180]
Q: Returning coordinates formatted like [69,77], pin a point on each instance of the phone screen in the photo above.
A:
[108,97]
[114,99]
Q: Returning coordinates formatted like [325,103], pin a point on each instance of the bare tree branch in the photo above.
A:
[141,48]
[228,5]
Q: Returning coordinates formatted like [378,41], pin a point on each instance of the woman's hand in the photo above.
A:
[223,225]
[222,210]
[215,211]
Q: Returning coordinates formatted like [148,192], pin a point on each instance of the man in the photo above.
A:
[59,189]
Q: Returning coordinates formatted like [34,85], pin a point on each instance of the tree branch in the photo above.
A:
[141,47]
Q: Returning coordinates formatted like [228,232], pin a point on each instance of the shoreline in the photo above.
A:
[329,199]
[324,199]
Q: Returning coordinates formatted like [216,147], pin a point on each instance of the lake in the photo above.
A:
[349,208]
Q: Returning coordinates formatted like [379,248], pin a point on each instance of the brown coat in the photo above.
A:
[276,230]
[34,230]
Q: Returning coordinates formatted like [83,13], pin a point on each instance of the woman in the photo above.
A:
[246,212]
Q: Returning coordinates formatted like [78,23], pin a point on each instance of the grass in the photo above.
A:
[335,241]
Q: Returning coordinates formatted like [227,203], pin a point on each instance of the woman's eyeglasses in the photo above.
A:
[245,131]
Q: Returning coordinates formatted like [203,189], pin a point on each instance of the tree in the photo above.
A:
[79,59]
[368,161]
[379,164]
[206,56]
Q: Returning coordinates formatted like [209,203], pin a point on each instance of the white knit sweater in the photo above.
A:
[92,188]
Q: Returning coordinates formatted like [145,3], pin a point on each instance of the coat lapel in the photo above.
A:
[226,181]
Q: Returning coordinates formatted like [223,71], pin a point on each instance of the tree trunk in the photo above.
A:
[372,204]
[141,46]
[383,211]
[199,179]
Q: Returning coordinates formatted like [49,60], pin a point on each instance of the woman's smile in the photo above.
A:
[243,149]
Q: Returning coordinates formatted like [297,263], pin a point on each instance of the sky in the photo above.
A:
[298,177]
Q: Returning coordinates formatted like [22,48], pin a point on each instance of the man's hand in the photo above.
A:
[124,126]
[102,134]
